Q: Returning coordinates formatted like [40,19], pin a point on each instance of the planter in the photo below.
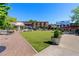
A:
[56,37]
[55,40]
[4,32]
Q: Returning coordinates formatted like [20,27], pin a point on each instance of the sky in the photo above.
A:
[51,12]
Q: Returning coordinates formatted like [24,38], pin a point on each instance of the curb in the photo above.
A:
[42,51]
[29,44]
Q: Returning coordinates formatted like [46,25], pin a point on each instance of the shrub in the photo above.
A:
[77,31]
[56,34]
[60,32]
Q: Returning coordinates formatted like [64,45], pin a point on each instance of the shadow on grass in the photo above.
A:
[51,43]
[2,48]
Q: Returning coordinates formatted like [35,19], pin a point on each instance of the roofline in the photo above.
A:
[28,21]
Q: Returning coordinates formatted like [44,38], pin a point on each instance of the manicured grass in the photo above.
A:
[38,39]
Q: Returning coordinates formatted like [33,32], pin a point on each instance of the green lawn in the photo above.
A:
[38,38]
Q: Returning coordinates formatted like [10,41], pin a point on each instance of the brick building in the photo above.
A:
[33,24]
[36,24]
[19,24]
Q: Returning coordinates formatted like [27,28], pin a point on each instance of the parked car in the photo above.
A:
[10,31]
[25,30]
[3,32]
[6,32]
[77,31]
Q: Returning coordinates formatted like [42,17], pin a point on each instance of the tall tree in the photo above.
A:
[75,16]
[3,14]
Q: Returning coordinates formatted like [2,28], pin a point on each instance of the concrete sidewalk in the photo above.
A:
[69,46]
[15,45]
[70,42]
[57,51]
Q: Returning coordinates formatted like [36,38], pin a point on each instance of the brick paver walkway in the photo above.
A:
[15,45]
[69,46]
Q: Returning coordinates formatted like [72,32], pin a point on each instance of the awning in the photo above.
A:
[18,24]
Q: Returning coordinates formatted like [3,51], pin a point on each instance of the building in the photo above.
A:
[31,24]
[62,24]
[36,24]
[52,26]
[72,27]
[19,25]
[67,26]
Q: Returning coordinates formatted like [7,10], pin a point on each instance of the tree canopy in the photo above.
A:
[5,20]
[3,14]
[32,20]
[75,16]
[11,19]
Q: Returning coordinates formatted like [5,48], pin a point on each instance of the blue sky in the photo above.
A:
[51,12]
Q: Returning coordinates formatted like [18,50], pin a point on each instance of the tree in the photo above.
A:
[32,20]
[3,14]
[75,16]
[9,21]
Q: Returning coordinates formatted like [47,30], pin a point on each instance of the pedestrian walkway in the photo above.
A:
[69,46]
[70,42]
[15,45]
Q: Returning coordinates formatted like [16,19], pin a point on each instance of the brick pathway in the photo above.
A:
[69,46]
[15,45]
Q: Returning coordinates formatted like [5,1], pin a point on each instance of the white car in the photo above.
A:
[3,32]
[25,30]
